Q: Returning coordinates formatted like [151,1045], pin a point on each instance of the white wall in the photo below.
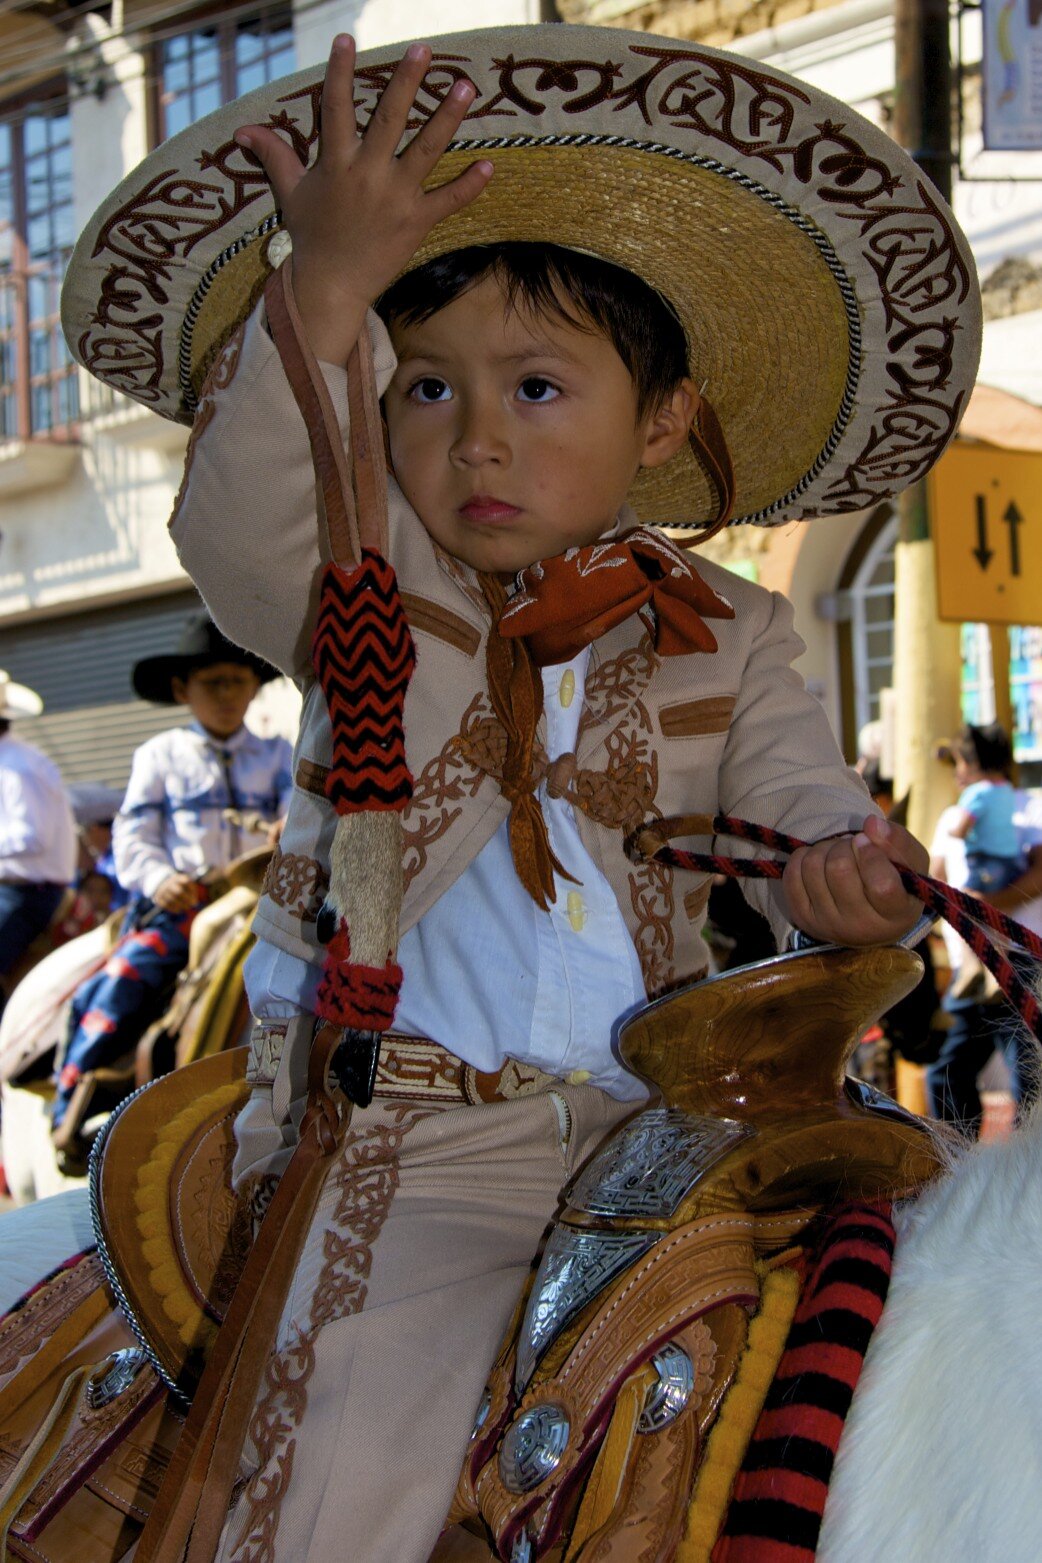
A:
[376,22]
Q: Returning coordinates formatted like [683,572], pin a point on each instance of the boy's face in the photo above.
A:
[515,436]
[218,696]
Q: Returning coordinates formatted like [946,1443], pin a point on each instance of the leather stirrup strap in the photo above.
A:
[355,501]
[40,1453]
[707,441]
[367,447]
[192,1506]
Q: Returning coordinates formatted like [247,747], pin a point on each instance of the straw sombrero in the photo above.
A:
[17,699]
[829,298]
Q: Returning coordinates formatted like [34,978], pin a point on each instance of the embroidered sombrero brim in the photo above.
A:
[828,296]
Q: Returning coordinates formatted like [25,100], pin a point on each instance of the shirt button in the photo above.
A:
[576,911]
[566,691]
[578,1077]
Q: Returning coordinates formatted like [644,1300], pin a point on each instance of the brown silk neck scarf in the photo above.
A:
[567,602]
[516,690]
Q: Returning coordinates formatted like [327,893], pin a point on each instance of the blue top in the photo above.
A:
[993,805]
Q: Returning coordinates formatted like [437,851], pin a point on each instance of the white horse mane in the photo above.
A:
[941,1456]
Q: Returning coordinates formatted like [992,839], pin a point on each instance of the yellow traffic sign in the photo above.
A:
[986,521]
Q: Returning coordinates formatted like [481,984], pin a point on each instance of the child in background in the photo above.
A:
[171,829]
[988,802]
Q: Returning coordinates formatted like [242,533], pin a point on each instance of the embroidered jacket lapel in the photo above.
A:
[622,664]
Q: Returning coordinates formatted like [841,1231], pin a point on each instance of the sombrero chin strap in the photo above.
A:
[363,656]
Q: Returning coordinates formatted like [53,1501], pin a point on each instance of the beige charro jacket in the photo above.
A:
[733,733]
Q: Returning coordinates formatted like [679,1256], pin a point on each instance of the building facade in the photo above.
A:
[88,576]
[89,580]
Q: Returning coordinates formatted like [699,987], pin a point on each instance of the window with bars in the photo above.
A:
[38,394]
[219,59]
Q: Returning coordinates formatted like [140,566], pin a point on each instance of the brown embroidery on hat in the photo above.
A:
[906,238]
[222,373]
[296,883]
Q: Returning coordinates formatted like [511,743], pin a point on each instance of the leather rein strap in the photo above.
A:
[192,1506]
[356,515]
[971,918]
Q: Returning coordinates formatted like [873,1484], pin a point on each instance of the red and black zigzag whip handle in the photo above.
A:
[969,917]
[363,656]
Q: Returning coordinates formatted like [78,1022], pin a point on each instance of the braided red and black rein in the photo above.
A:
[969,917]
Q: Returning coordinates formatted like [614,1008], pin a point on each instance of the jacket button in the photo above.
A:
[578,1077]
[566,691]
[576,911]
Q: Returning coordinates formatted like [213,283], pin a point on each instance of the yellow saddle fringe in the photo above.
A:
[738,1415]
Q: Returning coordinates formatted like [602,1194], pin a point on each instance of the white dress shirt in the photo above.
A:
[181,783]
[489,975]
[37,829]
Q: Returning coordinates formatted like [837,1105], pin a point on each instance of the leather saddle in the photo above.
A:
[646,1284]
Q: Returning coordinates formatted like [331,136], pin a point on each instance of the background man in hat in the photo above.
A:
[173,827]
[37,832]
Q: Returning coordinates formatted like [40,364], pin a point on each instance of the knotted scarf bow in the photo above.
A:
[567,602]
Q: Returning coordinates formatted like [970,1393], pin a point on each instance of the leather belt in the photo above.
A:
[417,1068]
[412,1069]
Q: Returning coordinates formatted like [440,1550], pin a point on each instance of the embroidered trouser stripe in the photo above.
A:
[779,1496]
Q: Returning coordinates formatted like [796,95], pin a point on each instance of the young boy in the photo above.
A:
[531,391]
[172,828]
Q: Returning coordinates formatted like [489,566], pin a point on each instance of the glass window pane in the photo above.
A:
[879,607]
[38,294]
[68,399]
[39,352]
[206,99]
[35,134]
[40,408]
[177,115]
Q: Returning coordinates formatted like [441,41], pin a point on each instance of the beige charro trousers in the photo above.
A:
[423,1238]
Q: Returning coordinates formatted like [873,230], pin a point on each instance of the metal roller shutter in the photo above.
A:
[80,666]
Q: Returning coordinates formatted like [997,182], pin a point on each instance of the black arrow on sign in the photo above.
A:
[982,553]
[1012,517]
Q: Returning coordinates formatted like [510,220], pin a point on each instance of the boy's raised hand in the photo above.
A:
[847,891]
[357,216]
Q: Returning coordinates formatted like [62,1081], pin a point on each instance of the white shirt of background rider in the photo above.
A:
[173,816]
[37,830]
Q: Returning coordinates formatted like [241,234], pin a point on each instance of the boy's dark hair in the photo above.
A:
[4,725]
[988,748]
[549,280]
